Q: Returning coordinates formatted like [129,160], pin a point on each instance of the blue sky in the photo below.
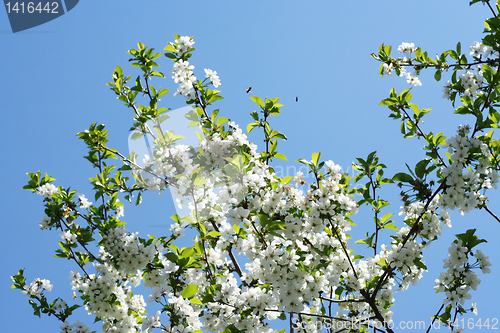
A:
[53,85]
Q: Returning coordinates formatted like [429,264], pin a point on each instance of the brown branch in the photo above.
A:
[231,255]
[413,230]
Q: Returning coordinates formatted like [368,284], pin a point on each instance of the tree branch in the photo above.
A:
[435,317]
[491,213]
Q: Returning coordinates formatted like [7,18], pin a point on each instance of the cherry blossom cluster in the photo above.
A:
[84,202]
[107,294]
[212,75]
[478,49]
[183,44]
[44,222]
[459,278]
[77,327]
[406,258]
[388,68]
[447,90]
[149,323]
[471,82]
[410,77]
[190,317]
[407,48]
[465,177]
[182,73]
[36,288]
[68,236]
[109,299]
[46,190]
[125,251]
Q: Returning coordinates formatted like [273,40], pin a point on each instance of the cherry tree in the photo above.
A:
[255,247]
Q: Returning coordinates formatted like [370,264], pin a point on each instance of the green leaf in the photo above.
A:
[155,73]
[196,300]
[280,156]
[214,233]
[391,226]
[171,56]
[494,116]
[258,101]
[304,161]
[173,257]
[137,135]
[420,168]
[487,73]
[385,217]
[388,101]
[387,50]
[36,308]
[169,48]
[470,240]
[198,247]
[403,177]
[221,121]
[415,109]
[163,92]
[278,135]
[315,158]
[214,98]
[138,201]
[264,219]
[187,252]
[462,110]
[437,75]
[190,290]
[251,126]
[255,115]
[419,54]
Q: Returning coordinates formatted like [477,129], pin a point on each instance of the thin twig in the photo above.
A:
[231,255]
[435,317]
[126,160]
[491,213]
[493,11]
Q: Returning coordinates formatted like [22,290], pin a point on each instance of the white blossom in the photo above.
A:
[46,190]
[406,48]
[212,75]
